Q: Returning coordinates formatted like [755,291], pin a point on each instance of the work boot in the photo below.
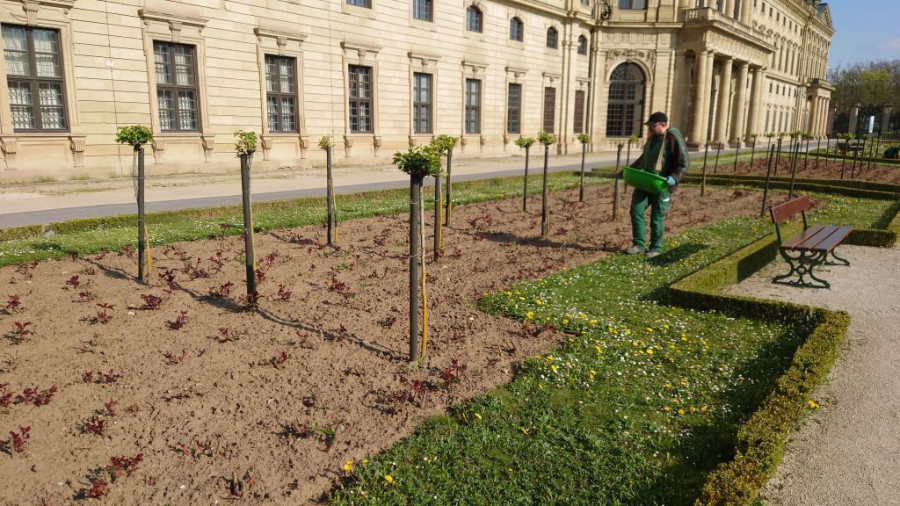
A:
[634,250]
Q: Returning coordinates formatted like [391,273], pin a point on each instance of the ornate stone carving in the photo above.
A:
[31,11]
[76,144]
[648,56]
[209,144]
[9,145]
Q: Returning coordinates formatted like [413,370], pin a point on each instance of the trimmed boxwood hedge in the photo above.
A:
[760,440]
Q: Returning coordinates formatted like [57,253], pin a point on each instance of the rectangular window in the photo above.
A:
[514,109]
[633,4]
[549,109]
[360,3]
[422,9]
[281,93]
[422,103]
[578,127]
[360,92]
[473,19]
[473,106]
[34,77]
[176,86]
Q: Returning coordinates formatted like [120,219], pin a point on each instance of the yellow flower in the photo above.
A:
[553,368]
[478,416]
[813,404]
[388,478]
[649,351]
[524,430]
[364,461]
[529,315]
[538,302]
[348,466]
[680,411]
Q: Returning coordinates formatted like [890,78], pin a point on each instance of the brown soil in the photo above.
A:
[267,405]
[829,169]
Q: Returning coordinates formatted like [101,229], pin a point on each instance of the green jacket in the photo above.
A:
[675,157]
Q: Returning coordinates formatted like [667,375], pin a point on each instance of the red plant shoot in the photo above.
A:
[13,304]
[123,466]
[17,440]
[73,282]
[174,359]
[94,425]
[97,490]
[151,302]
[283,293]
[179,321]
[110,406]
[20,332]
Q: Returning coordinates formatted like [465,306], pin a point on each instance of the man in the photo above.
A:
[665,154]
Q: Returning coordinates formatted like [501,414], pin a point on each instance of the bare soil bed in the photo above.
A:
[201,401]
[826,169]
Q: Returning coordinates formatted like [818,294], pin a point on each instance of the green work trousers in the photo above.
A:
[659,204]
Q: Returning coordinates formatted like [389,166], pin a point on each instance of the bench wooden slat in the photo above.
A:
[784,211]
[809,237]
[818,238]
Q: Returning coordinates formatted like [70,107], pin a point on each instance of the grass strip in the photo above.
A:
[643,402]
[91,235]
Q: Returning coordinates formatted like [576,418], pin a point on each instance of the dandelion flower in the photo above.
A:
[389,479]
[478,416]
[348,466]
[813,404]
[529,315]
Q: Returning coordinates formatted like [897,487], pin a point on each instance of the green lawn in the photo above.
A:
[636,408]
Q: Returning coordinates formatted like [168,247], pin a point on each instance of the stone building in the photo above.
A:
[379,76]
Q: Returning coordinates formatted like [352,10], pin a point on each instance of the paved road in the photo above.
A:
[22,205]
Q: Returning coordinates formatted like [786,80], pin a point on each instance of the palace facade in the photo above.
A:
[380,76]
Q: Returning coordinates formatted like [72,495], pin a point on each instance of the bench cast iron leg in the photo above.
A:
[803,264]
[837,260]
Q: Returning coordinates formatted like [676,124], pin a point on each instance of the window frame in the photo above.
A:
[623,127]
[514,110]
[356,99]
[281,94]
[548,115]
[582,45]
[34,82]
[552,38]
[516,29]
[176,89]
[366,4]
[579,112]
[417,10]
[479,18]
[418,105]
[472,112]
[629,5]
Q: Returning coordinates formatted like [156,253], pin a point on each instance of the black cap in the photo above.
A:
[657,117]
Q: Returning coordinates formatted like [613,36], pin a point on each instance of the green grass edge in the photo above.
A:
[761,439]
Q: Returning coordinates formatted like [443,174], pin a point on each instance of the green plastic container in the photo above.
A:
[643,180]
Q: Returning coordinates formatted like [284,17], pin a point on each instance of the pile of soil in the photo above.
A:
[200,400]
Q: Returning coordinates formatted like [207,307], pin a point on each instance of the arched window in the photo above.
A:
[582,44]
[552,38]
[516,29]
[626,101]
[474,19]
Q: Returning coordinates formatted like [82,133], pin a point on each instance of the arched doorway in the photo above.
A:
[625,110]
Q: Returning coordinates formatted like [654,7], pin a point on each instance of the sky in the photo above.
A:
[865,30]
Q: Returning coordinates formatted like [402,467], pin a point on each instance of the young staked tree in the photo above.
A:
[526,143]
[245,146]
[547,140]
[327,144]
[136,136]
[584,139]
[419,162]
[444,145]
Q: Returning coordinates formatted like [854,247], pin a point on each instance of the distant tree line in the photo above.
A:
[870,84]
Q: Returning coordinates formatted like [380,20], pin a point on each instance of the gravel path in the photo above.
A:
[846,452]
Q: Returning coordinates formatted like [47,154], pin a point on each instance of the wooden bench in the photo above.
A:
[813,247]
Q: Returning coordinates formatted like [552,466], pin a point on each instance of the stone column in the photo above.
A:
[832,111]
[721,132]
[702,81]
[729,8]
[812,125]
[854,119]
[678,114]
[746,11]
[756,106]
[885,117]
[737,118]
